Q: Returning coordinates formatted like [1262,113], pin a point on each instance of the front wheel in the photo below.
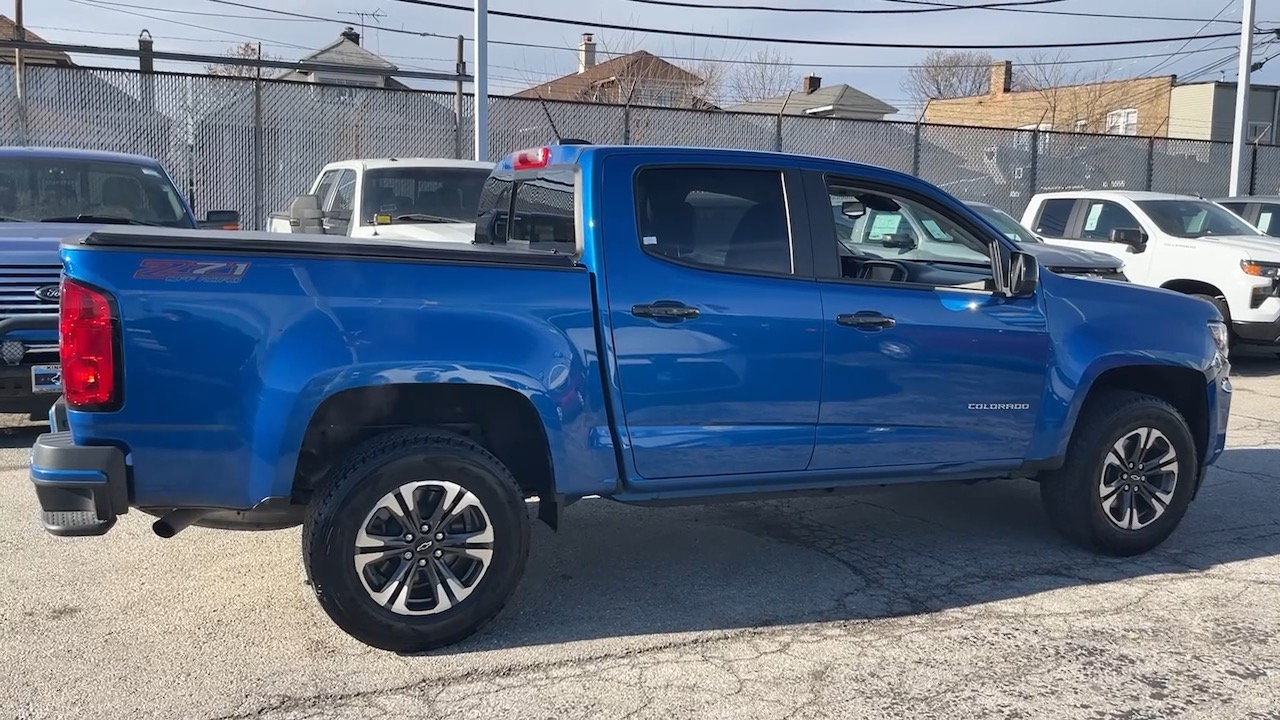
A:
[417,541]
[1129,476]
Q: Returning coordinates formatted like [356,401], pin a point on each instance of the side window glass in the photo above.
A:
[730,219]
[1266,224]
[1054,215]
[325,185]
[873,225]
[1101,217]
[344,195]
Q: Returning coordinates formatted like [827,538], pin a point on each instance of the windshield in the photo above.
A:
[36,188]
[1195,218]
[436,193]
[1005,223]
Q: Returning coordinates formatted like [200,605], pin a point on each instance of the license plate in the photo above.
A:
[46,379]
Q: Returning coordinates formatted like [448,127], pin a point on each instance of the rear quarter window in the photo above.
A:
[537,209]
[1054,216]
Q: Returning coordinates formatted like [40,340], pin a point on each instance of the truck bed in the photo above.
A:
[222,241]
[231,340]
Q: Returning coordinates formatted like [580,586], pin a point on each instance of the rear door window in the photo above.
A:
[1054,216]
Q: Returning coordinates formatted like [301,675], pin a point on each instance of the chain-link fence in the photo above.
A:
[251,145]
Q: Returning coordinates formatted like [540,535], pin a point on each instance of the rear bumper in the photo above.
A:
[81,488]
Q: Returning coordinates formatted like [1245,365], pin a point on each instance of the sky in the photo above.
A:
[205,27]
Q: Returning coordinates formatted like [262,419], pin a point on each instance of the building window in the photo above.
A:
[1260,132]
[1080,126]
[1122,122]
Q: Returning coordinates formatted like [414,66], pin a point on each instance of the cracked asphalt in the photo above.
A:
[920,602]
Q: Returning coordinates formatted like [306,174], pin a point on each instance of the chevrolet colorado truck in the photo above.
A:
[45,195]
[652,325]
[1177,242]
[389,198]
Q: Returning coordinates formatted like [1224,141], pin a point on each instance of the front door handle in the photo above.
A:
[665,310]
[865,320]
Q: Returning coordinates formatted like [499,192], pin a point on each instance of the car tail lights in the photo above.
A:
[90,365]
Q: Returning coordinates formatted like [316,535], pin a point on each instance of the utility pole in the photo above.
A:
[481,85]
[1241,135]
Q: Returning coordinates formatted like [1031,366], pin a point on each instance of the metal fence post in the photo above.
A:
[1151,162]
[1032,178]
[257,153]
[777,133]
[915,152]
[626,124]
[1253,170]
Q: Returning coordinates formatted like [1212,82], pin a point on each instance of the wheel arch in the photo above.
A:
[1185,388]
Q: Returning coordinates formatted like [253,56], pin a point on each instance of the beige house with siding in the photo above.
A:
[1207,111]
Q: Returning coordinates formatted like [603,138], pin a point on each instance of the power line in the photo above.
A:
[1165,62]
[539,46]
[87,3]
[927,7]
[205,14]
[802,41]
[934,7]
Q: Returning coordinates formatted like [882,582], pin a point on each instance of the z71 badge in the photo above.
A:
[205,271]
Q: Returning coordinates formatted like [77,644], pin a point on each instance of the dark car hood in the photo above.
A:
[25,243]
[1054,257]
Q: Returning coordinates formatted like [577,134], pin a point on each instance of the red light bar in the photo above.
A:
[529,159]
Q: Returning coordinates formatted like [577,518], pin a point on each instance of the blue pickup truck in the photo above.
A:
[651,325]
[47,194]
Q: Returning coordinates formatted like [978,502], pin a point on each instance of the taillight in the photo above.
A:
[531,159]
[87,329]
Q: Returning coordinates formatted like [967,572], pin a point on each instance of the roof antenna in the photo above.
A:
[543,103]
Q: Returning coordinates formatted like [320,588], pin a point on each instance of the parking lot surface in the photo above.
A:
[948,602]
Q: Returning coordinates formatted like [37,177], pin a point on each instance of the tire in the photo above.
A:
[354,504]
[1073,495]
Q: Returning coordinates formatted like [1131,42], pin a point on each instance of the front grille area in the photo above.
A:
[18,286]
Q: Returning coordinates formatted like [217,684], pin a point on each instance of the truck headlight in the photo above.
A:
[1221,336]
[1260,269]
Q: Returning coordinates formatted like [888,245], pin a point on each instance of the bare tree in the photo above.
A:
[1075,97]
[764,74]
[243,51]
[949,74]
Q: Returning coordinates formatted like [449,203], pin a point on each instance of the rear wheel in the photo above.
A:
[1129,476]
[417,541]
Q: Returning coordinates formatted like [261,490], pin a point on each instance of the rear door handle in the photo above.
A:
[665,310]
[865,320]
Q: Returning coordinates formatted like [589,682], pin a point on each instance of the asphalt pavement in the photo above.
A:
[920,602]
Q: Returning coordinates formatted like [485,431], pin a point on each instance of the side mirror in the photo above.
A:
[1024,275]
[305,215]
[896,240]
[221,220]
[852,209]
[1133,237]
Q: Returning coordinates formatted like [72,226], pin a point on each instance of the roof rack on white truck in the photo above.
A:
[1177,242]
[396,198]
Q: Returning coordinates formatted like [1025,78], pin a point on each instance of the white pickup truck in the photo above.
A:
[394,198]
[1177,242]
